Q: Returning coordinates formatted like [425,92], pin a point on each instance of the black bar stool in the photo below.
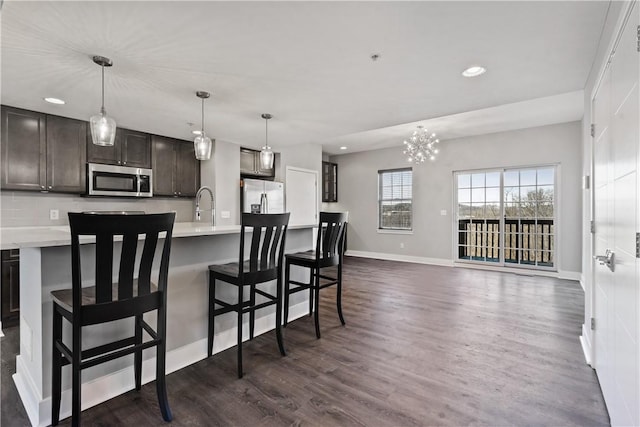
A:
[107,301]
[268,233]
[329,252]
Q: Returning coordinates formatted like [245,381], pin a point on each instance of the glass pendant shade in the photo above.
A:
[202,144]
[266,158]
[266,155]
[103,129]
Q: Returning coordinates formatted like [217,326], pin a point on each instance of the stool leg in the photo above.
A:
[311,293]
[56,374]
[316,291]
[76,377]
[252,313]
[286,292]
[212,309]
[240,304]
[339,293]
[161,385]
[137,356]
[279,315]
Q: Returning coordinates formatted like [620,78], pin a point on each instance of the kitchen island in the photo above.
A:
[45,265]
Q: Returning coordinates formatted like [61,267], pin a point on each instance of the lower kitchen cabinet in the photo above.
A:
[10,287]
[176,171]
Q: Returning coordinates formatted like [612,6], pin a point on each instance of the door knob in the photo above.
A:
[608,259]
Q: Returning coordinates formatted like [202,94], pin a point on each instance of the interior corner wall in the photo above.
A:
[226,185]
[432,236]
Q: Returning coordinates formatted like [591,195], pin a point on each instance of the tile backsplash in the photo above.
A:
[19,208]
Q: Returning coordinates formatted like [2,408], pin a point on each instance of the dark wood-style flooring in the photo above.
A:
[423,345]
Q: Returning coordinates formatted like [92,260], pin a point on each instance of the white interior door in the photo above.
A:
[617,293]
[302,195]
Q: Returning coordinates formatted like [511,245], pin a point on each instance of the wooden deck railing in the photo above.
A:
[526,241]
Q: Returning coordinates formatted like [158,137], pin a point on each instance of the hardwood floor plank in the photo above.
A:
[423,346]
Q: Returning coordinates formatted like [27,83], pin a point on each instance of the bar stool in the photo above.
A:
[329,252]
[107,301]
[268,233]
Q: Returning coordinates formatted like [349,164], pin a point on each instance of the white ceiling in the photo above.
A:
[307,63]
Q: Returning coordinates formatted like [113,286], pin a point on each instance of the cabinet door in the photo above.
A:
[164,166]
[135,148]
[188,170]
[247,161]
[66,155]
[23,149]
[101,154]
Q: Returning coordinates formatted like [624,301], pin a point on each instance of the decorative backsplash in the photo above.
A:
[19,209]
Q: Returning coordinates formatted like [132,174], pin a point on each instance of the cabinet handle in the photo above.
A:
[179,193]
[119,162]
[49,187]
[124,163]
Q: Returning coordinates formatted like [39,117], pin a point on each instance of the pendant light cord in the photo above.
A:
[266,133]
[202,130]
[102,110]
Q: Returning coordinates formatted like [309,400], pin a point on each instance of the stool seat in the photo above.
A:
[64,297]
[230,273]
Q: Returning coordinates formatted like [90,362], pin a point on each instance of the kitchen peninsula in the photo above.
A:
[45,265]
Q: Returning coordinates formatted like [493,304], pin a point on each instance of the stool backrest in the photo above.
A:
[268,234]
[131,229]
[331,234]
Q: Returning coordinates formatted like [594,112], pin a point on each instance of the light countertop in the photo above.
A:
[46,236]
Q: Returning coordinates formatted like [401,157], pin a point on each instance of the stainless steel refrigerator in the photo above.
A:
[260,196]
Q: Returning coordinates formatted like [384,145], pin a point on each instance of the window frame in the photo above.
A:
[381,229]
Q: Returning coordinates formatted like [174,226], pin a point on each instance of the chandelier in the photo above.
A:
[421,146]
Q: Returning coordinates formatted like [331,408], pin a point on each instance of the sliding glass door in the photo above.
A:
[507,216]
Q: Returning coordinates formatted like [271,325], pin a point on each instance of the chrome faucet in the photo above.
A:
[213,206]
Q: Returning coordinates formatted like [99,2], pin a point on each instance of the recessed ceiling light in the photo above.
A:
[474,71]
[343,148]
[54,101]
[196,132]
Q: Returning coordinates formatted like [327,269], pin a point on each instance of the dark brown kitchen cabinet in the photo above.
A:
[130,148]
[329,182]
[42,152]
[24,148]
[176,172]
[66,155]
[250,165]
[10,288]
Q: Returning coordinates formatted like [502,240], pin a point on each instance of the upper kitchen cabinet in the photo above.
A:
[24,148]
[42,152]
[250,165]
[66,155]
[329,182]
[131,148]
[176,172]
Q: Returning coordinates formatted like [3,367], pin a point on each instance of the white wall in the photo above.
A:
[432,236]
[222,174]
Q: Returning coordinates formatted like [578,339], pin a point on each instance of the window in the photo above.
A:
[394,199]
[507,216]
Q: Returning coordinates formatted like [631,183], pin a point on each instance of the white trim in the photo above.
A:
[119,382]
[568,275]
[582,284]
[587,348]
[401,258]
[393,231]
[1,333]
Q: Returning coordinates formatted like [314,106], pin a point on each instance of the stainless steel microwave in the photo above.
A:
[118,181]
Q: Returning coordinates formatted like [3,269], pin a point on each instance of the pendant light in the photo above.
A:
[103,127]
[202,143]
[266,155]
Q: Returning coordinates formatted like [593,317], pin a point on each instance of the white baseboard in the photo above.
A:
[109,386]
[569,275]
[402,258]
[587,348]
